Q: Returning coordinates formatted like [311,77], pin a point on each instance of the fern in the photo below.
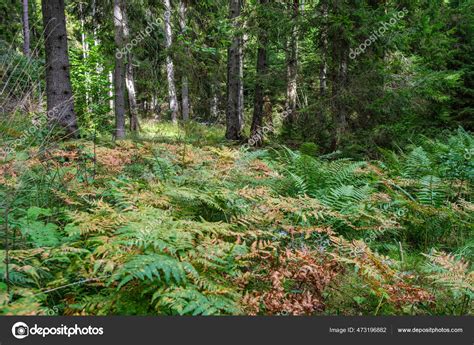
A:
[447,270]
[185,301]
[346,198]
[153,267]
[163,168]
[417,164]
[172,229]
[299,183]
[431,191]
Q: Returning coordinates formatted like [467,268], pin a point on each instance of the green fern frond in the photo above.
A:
[431,191]
[153,267]
[188,301]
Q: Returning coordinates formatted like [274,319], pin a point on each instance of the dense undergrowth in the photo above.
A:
[179,223]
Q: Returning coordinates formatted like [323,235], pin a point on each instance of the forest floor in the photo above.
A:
[177,222]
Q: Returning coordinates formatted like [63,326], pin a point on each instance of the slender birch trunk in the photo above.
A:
[26,29]
[323,69]
[129,77]
[173,100]
[85,53]
[214,107]
[292,68]
[119,71]
[184,79]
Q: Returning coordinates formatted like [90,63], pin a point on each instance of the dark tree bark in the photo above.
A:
[340,111]
[292,68]
[257,119]
[234,114]
[26,29]
[339,76]
[119,73]
[241,76]
[339,106]
[323,68]
[60,100]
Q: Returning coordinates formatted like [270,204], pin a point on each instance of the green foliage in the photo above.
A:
[18,73]
[170,228]
[40,234]
[89,78]
[310,149]
[453,273]
[149,267]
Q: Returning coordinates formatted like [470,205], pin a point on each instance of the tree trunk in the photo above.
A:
[324,49]
[214,108]
[173,100]
[129,78]
[234,115]
[339,83]
[60,100]
[155,107]
[26,29]
[292,68]
[339,107]
[132,100]
[184,79]
[339,76]
[257,119]
[85,46]
[111,92]
[185,96]
[85,53]
[119,71]
[94,21]
[241,81]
